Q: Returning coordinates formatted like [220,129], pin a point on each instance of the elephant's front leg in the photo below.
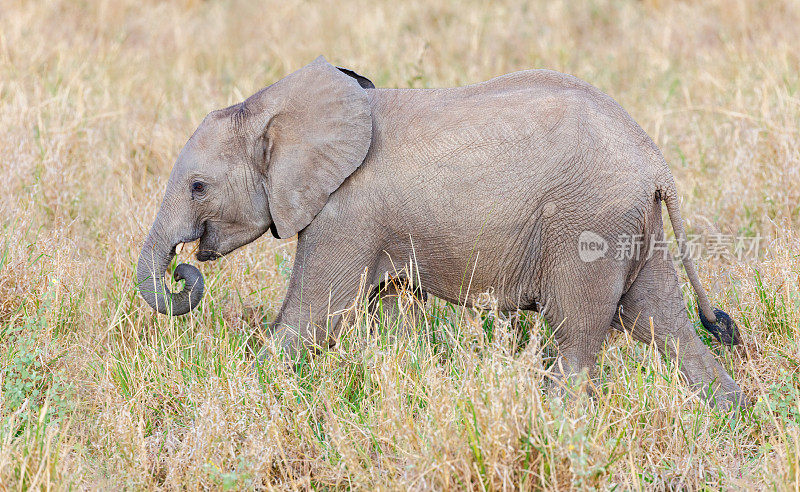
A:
[327,277]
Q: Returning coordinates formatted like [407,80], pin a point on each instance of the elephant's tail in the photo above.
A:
[715,321]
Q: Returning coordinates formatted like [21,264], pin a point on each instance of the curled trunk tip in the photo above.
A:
[150,271]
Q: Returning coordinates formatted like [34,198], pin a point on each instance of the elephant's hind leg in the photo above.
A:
[655,293]
[580,308]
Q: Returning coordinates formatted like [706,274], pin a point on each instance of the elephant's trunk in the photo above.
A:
[153,261]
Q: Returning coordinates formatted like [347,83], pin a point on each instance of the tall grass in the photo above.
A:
[96,99]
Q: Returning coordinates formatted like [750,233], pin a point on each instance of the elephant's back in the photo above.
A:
[537,87]
[530,102]
[535,126]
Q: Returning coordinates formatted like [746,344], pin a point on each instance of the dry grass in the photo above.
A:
[96,99]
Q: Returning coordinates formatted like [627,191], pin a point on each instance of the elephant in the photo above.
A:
[523,186]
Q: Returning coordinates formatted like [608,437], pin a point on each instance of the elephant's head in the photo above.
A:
[267,163]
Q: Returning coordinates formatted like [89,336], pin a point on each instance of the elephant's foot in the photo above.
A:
[704,373]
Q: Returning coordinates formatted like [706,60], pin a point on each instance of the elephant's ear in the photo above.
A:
[319,131]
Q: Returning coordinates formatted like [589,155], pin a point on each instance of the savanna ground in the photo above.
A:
[97,98]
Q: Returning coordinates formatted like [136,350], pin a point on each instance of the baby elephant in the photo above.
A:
[534,186]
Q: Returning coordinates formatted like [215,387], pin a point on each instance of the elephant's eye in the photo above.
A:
[198,187]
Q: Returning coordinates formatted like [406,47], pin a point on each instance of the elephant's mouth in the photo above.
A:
[180,245]
[202,254]
[205,255]
[206,250]
[219,239]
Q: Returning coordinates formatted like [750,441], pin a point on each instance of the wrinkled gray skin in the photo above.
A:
[487,187]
